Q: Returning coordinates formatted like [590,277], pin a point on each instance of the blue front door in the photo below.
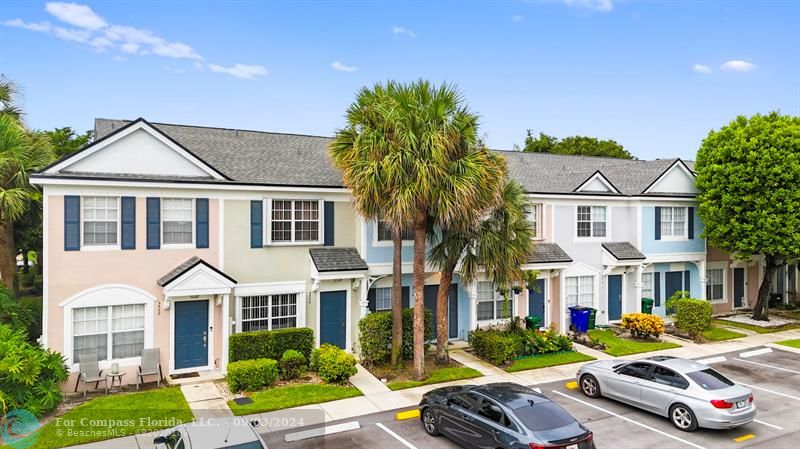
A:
[191,334]
[536,300]
[615,297]
[333,318]
[430,297]
[673,282]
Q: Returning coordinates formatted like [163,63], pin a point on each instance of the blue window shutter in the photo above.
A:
[256,224]
[72,223]
[658,223]
[371,299]
[201,218]
[657,287]
[153,223]
[690,222]
[328,223]
[406,297]
[687,286]
[128,219]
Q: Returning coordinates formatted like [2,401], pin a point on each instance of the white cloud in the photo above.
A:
[700,68]
[738,66]
[402,30]
[77,15]
[41,27]
[243,71]
[339,67]
[517,18]
[174,70]
[119,58]
[130,47]
[596,5]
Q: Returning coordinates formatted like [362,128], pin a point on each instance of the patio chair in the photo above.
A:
[90,372]
[151,366]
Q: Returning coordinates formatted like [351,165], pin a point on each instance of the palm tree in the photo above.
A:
[8,92]
[498,245]
[20,154]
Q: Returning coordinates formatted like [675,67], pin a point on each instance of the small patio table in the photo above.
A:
[118,378]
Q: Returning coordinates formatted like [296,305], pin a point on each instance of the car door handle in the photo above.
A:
[466,417]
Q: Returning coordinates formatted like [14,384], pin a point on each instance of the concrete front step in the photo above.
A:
[203,377]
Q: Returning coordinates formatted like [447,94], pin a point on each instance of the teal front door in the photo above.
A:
[191,334]
[333,318]
[536,301]
[430,297]
[615,297]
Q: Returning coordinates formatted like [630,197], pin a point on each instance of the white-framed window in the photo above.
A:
[100,220]
[647,285]
[592,221]
[96,329]
[177,221]
[673,222]
[492,305]
[268,312]
[715,284]
[383,298]
[580,291]
[385,232]
[535,217]
[294,221]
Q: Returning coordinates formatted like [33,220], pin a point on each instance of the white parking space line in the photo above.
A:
[629,420]
[768,366]
[711,360]
[769,391]
[321,431]
[396,436]
[768,424]
[755,352]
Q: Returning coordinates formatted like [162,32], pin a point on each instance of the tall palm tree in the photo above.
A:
[8,93]
[497,245]
[20,154]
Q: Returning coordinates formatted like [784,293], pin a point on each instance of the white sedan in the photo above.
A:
[214,433]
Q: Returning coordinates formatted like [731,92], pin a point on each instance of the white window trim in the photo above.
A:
[376,298]
[104,296]
[193,221]
[579,239]
[685,235]
[539,228]
[269,317]
[267,220]
[652,285]
[718,266]
[118,246]
[579,269]
[378,243]
[271,288]
[497,298]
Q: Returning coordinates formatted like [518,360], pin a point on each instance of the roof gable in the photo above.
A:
[597,183]
[136,149]
[678,178]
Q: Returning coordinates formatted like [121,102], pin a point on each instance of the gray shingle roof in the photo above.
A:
[623,251]
[337,259]
[190,263]
[548,253]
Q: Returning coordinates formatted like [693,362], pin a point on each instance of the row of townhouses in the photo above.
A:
[175,237]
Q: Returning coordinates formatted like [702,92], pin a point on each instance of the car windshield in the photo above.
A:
[710,379]
[543,416]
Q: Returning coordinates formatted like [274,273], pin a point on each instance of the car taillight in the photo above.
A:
[751,398]
[588,439]
[719,403]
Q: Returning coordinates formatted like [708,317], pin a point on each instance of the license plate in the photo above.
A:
[572,446]
[740,404]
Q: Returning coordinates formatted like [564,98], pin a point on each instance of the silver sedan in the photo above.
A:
[689,393]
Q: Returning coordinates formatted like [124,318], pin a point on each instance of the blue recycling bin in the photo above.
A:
[580,318]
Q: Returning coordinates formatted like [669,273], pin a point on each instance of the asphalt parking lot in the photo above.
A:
[773,376]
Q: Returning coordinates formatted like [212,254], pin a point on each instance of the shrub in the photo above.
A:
[643,324]
[673,300]
[408,332]
[30,377]
[494,345]
[292,364]
[251,375]
[375,338]
[537,342]
[333,364]
[270,344]
[693,315]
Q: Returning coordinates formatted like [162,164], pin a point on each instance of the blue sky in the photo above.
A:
[654,75]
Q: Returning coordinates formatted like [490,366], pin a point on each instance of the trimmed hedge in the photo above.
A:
[693,315]
[252,375]
[333,364]
[643,324]
[292,364]
[375,335]
[270,344]
[494,345]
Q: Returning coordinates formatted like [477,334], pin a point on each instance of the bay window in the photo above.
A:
[96,329]
[492,305]
[580,291]
[268,312]
[100,216]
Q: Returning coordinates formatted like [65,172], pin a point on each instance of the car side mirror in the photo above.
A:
[160,440]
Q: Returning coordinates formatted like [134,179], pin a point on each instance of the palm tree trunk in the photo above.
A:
[8,262]
[760,311]
[442,304]
[397,298]
[420,232]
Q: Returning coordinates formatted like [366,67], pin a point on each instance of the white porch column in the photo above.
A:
[362,297]
[226,331]
[638,286]
[701,267]
[472,294]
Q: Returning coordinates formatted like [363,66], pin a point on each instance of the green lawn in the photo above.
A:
[715,333]
[277,398]
[790,343]
[757,329]
[132,413]
[544,360]
[617,346]
[438,376]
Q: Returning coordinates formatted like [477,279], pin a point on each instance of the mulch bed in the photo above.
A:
[406,371]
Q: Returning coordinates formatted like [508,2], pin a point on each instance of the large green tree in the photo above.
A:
[497,246]
[574,145]
[748,175]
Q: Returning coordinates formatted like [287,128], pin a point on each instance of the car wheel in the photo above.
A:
[429,422]
[683,418]
[590,386]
